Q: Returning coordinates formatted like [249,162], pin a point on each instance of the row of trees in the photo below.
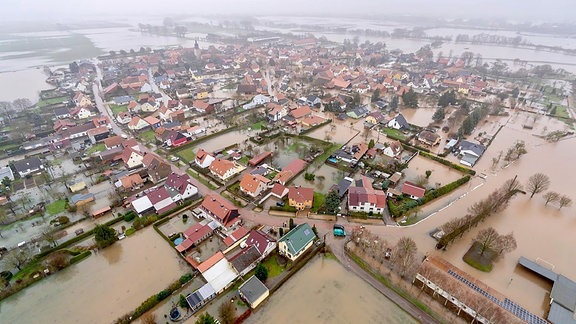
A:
[472,120]
[402,256]
[478,212]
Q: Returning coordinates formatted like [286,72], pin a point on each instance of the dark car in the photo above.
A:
[280,204]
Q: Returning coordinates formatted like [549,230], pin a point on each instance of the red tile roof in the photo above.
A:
[210,262]
[413,190]
[300,194]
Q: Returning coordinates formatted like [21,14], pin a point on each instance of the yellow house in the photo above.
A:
[300,197]
[202,95]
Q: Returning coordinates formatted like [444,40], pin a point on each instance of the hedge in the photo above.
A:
[306,131]
[448,163]
[80,257]
[153,300]
[76,239]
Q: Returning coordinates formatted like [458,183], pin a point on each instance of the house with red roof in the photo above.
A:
[235,236]
[363,198]
[218,209]
[131,158]
[412,190]
[301,112]
[253,184]
[180,186]
[161,200]
[152,121]
[225,169]
[137,123]
[112,142]
[194,235]
[203,159]
[279,191]
[300,197]
[290,171]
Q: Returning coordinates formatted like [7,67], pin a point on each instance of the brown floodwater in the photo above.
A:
[326,177]
[100,288]
[325,292]
[419,116]
[543,233]
[224,140]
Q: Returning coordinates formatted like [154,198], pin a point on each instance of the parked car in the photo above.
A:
[280,204]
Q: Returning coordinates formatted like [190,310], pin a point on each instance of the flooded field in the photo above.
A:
[543,233]
[100,288]
[338,131]
[441,174]
[420,117]
[224,140]
[326,177]
[325,292]
[11,84]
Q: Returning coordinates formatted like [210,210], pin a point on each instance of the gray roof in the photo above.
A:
[343,186]
[402,121]
[298,238]
[478,149]
[80,197]
[6,172]
[564,292]
[245,258]
[32,163]
[470,159]
[252,289]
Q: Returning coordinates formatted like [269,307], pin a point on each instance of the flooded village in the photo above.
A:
[251,175]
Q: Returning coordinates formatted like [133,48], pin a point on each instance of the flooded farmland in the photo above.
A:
[100,288]
[543,233]
[325,292]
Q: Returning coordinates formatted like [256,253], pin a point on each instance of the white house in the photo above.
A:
[296,242]
[203,159]
[398,122]
[256,101]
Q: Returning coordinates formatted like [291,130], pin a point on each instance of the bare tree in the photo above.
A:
[227,312]
[564,201]
[58,260]
[18,258]
[404,255]
[507,243]
[48,235]
[551,197]
[488,239]
[537,183]
[149,318]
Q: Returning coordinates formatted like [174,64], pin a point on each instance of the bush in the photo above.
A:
[185,278]
[80,257]
[163,295]
[7,275]
[130,231]
[129,216]
[63,220]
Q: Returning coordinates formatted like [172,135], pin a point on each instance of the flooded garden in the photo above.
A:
[103,287]
[325,292]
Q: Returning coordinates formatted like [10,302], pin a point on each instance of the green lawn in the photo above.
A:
[394,133]
[48,102]
[478,260]
[56,207]
[319,199]
[187,155]
[274,269]
[99,147]
[258,125]
[116,109]
[244,160]
[561,112]
[148,136]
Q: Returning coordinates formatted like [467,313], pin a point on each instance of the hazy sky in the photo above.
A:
[58,10]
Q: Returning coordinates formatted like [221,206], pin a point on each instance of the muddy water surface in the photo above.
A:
[100,288]
[543,233]
[325,292]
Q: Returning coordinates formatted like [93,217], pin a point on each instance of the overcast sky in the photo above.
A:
[516,10]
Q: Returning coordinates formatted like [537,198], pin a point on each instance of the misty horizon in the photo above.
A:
[534,11]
